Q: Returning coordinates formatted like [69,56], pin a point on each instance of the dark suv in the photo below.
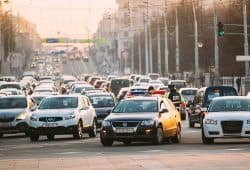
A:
[202,100]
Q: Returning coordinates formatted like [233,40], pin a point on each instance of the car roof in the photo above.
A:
[100,94]
[64,95]
[143,98]
[188,88]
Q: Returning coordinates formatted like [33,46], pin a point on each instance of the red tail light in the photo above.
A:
[184,105]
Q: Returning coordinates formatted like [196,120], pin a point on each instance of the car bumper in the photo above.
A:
[13,127]
[52,130]
[215,131]
[140,134]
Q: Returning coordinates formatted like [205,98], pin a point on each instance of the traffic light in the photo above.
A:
[220,29]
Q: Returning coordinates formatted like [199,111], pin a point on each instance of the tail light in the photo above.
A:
[184,105]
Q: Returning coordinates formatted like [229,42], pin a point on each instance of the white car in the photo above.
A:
[63,114]
[227,117]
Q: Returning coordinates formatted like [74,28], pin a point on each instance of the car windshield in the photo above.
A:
[15,86]
[179,85]
[189,92]
[230,105]
[102,101]
[11,103]
[212,93]
[38,99]
[59,103]
[136,106]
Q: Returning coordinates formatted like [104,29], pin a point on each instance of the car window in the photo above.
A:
[136,106]
[59,103]
[6,103]
[102,101]
[230,105]
[189,92]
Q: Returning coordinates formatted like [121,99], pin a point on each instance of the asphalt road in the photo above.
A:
[191,150]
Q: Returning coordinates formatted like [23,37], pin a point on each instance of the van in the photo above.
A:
[118,83]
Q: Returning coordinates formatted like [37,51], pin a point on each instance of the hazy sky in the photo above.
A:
[71,18]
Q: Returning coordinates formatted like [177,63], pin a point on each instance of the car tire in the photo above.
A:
[126,142]
[93,131]
[159,136]
[205,140]
[50,136]
[1,135]
[183,116]
[177,137]
[34,137]
[191,124]
[106,142]
[78,134]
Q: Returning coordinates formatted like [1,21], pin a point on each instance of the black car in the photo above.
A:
[142,119]
[103,103]
[203,99]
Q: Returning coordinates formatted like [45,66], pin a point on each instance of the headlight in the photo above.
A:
[248,121]
[68,117]
[106,123]
[21,116]
[211,121]
[34,118]
[147,122]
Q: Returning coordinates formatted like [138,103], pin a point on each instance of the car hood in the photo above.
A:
[102,110]
[54,112]
[11,112]
[131,116]
[228,115]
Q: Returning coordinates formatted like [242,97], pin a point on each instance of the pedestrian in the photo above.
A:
[174,96]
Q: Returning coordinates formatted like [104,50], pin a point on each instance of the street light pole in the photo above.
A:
[216,49]
[158,46]
[177,51]
[166,42]
[245,35]
[196,50]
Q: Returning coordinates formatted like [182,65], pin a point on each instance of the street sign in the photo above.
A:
[242,58]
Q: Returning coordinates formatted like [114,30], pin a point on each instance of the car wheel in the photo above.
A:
[1,135]
[191,124]
[126,142]
[34,137]
[177,137]
[106,142]
[159,136]
[183,115]
[51,136]
[206,140]
[78,134]
[93,130]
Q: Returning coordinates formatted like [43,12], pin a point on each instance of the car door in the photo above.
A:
[165,119]
[83,112]
[89,111]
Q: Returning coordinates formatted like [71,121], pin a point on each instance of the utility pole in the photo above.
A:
[158,46]
[150,48]
[146,40]
[166,41]
[196,50]
[177,50]
[246,52]
[216,48]
[139,53]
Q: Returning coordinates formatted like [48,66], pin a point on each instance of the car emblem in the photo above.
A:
[50,119]
[124,124]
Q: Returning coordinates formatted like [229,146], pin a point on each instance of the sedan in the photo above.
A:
[142,119]
[227,117]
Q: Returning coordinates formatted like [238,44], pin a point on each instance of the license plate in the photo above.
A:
[5,124]
[124,130]
[50,124]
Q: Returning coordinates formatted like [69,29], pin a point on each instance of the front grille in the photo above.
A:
[231,126]
[7,119]
[125,123]
[50,119]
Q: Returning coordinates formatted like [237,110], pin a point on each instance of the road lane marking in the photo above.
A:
[237,149]
[66,153]
[151,151]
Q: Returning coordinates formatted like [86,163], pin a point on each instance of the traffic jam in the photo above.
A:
[114,108]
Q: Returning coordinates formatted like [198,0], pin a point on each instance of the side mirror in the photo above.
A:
[164,110]
[109,111]
[204,109]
